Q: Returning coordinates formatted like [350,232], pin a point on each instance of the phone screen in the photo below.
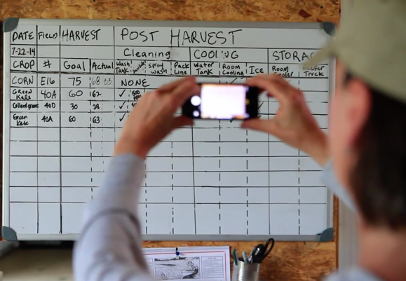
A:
[223,101]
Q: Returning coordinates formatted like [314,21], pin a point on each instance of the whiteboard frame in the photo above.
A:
[142,23]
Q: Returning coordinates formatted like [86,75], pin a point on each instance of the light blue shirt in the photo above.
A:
[330,180]
[109,247]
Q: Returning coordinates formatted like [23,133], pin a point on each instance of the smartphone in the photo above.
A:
[223,102]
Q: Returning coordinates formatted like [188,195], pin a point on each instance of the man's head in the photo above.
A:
[368,110]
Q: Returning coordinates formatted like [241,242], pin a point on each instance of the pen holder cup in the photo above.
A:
[246,271]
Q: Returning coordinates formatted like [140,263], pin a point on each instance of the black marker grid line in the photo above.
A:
[168,47]
[120,99]
[9,145]
[269,166]
[90,132]
[114,83]
[193,159]
[60,137]
[183,186]
[36,59]
[212,75]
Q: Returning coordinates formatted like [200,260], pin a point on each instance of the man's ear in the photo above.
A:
[359,107]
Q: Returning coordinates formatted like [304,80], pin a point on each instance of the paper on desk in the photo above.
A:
[201,263]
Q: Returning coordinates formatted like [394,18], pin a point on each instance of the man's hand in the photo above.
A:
[153,119]
[293,123]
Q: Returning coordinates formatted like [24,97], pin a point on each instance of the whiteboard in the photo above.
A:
[70,84]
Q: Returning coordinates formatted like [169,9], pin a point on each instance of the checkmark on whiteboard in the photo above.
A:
[121,118]
[121,106]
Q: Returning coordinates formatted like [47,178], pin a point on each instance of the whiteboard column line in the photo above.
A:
[269,158]
[299,180]
[60,130]
[114,82]
[36,46]
[193,151]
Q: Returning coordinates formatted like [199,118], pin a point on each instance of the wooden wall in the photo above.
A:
[289,260]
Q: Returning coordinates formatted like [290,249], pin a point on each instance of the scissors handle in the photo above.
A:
[270,243]
[258,252]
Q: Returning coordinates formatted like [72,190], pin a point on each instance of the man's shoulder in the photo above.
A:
[354,274]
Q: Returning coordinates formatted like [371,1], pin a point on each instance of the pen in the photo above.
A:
[244,257]
[235,256]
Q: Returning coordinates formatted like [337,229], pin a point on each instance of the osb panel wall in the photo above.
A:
[213,10]
[289,260]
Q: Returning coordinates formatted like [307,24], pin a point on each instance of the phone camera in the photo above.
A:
[195,100]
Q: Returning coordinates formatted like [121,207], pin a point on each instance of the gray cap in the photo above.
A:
[371,43]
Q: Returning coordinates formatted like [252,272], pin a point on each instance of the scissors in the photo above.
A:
[261,251]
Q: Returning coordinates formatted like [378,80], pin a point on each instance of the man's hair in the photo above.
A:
[379,177]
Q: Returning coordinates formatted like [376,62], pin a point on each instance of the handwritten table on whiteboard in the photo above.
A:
[72,87]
